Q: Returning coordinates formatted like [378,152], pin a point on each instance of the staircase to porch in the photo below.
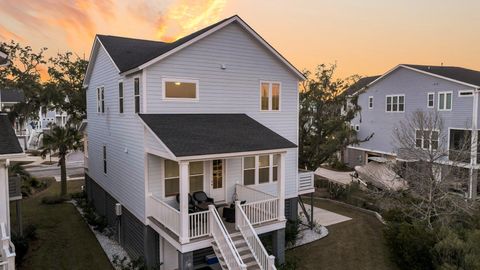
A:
[242,251]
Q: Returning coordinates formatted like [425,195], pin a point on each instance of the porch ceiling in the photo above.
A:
[205,134]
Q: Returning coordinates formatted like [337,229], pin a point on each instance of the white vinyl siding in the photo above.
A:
[445,101]
[430,100]
[395,103]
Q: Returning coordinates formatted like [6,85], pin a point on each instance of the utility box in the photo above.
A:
[118,209]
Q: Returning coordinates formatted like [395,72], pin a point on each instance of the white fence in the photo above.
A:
[225,244]
[266,262]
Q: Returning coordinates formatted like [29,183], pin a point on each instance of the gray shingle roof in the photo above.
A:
[204,134]
[8,140]
[360,84]
[456,73]
[129,53]
[11,95]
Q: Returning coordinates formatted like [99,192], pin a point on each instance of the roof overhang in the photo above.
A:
[244,25]
[416,70]
[97,44]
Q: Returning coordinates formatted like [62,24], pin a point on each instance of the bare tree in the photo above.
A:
[434,176]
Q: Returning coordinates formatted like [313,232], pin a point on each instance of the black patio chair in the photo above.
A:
[201,197]
[192,206]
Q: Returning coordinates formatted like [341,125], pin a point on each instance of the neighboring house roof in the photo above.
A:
[130,55]
[8,140]
[204,134]
[465,76]
[360,84]
[11,95]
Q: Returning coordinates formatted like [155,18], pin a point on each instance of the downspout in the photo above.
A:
[473,148]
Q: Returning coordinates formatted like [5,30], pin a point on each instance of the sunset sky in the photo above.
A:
[365,37]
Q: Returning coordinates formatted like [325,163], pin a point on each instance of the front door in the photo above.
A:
[217,185]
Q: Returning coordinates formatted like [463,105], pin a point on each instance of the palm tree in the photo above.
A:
[62,140]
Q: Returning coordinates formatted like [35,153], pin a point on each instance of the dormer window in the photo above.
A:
[180,89]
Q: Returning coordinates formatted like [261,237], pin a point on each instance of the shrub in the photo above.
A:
[21,242]
[54,199]
[291,231]
[124,264]
[410,245]
[78,195]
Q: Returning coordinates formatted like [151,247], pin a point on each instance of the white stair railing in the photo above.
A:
[225,244]
[265,261]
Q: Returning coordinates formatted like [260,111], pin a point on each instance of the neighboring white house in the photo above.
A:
[386,100]
[9,148]
[215,111]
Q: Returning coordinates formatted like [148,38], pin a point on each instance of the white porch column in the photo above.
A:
[472,190]
[281,188]
[184,190]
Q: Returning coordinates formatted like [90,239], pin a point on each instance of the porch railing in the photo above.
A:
[265,261]
[199,224]
[225,244]
[260,207]
[165,214]
[7,249]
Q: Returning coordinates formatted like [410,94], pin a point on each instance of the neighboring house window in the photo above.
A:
[105,159]
[172,178]
[465,93]
[136,89]
[370,102]
[270,96]
[430,100]
[445,101]
[260,169]
[357,127]
[196,176]
[426,139]
[180,89]
[101,99]
[395,103]
[120,97]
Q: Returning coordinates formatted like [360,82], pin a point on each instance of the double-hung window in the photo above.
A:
[426,139]
[430,100]
[172,177]
[445,101]
[370,102]
[270,96]
[101,99]
[180,89]
[260,169]
[395,103]
[136,93]
[120,97]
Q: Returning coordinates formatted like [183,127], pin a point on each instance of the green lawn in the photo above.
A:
[355,244]
[64,239]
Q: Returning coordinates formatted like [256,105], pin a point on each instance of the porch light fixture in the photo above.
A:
[178,83]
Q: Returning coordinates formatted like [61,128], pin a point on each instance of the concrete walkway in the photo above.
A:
[335,176]
[324,217]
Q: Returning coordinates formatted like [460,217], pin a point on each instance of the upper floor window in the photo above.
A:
[465,93]
[136,94]
[270,96]
[180,89]
[370,102]
[260,169]
[395,103]
[430,100]
[426,139]
[105,159]
[445,101]
[101,99]
[120,97]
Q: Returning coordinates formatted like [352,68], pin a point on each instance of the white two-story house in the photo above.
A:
[450,92]
[192,146]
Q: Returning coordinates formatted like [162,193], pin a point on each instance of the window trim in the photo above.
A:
[445,100]
[470,93]
[270,96]
[121,99]
[430,139]
[398,103]
[181,80]
[135,96]
[370,102]
[433,100]
[257,169]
